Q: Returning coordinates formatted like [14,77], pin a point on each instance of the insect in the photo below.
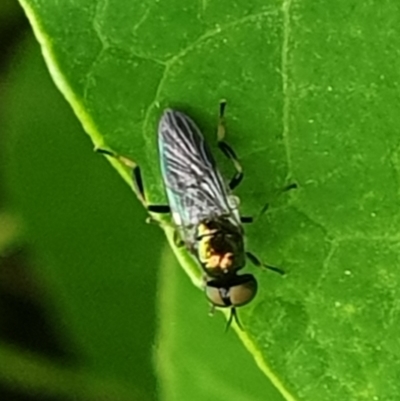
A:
[203,209]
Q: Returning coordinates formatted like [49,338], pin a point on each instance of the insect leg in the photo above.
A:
[164,224]
[257,262]
[178,240]
[287,188]
[246,219]
[226,149]
[137,181]
[212,310]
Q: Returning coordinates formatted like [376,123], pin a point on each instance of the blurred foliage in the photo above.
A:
[86,232]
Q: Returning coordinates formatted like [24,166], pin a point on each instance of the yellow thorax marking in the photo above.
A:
[207,255]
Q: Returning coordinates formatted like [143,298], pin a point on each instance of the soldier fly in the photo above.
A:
[203,209]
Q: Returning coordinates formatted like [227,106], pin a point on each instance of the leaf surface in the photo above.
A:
[312,94]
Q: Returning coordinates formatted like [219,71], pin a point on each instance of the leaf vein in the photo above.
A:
[286,5]
[174,59]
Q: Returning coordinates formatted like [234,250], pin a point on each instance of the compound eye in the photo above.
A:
[216,296]
[237,292]
[244,292]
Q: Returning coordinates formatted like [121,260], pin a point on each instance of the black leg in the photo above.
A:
[159,209]
[264,209]
[227,150]
[137,181]
[293,185]
[287,188]
[246,219]
[257,262]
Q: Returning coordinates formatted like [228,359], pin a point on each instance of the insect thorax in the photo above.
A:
[220,248]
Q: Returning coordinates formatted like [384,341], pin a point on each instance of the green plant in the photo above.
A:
[311,91]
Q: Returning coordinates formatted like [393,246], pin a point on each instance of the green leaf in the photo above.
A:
[194,355]
[10,231]
[36,375]
[9,9]
[88,241]
[312,97]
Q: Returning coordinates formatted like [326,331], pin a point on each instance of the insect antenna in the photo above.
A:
[233,316]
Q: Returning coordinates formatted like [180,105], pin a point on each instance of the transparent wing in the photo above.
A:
[194,186]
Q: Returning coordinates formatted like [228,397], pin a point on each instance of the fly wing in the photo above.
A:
[194,186]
